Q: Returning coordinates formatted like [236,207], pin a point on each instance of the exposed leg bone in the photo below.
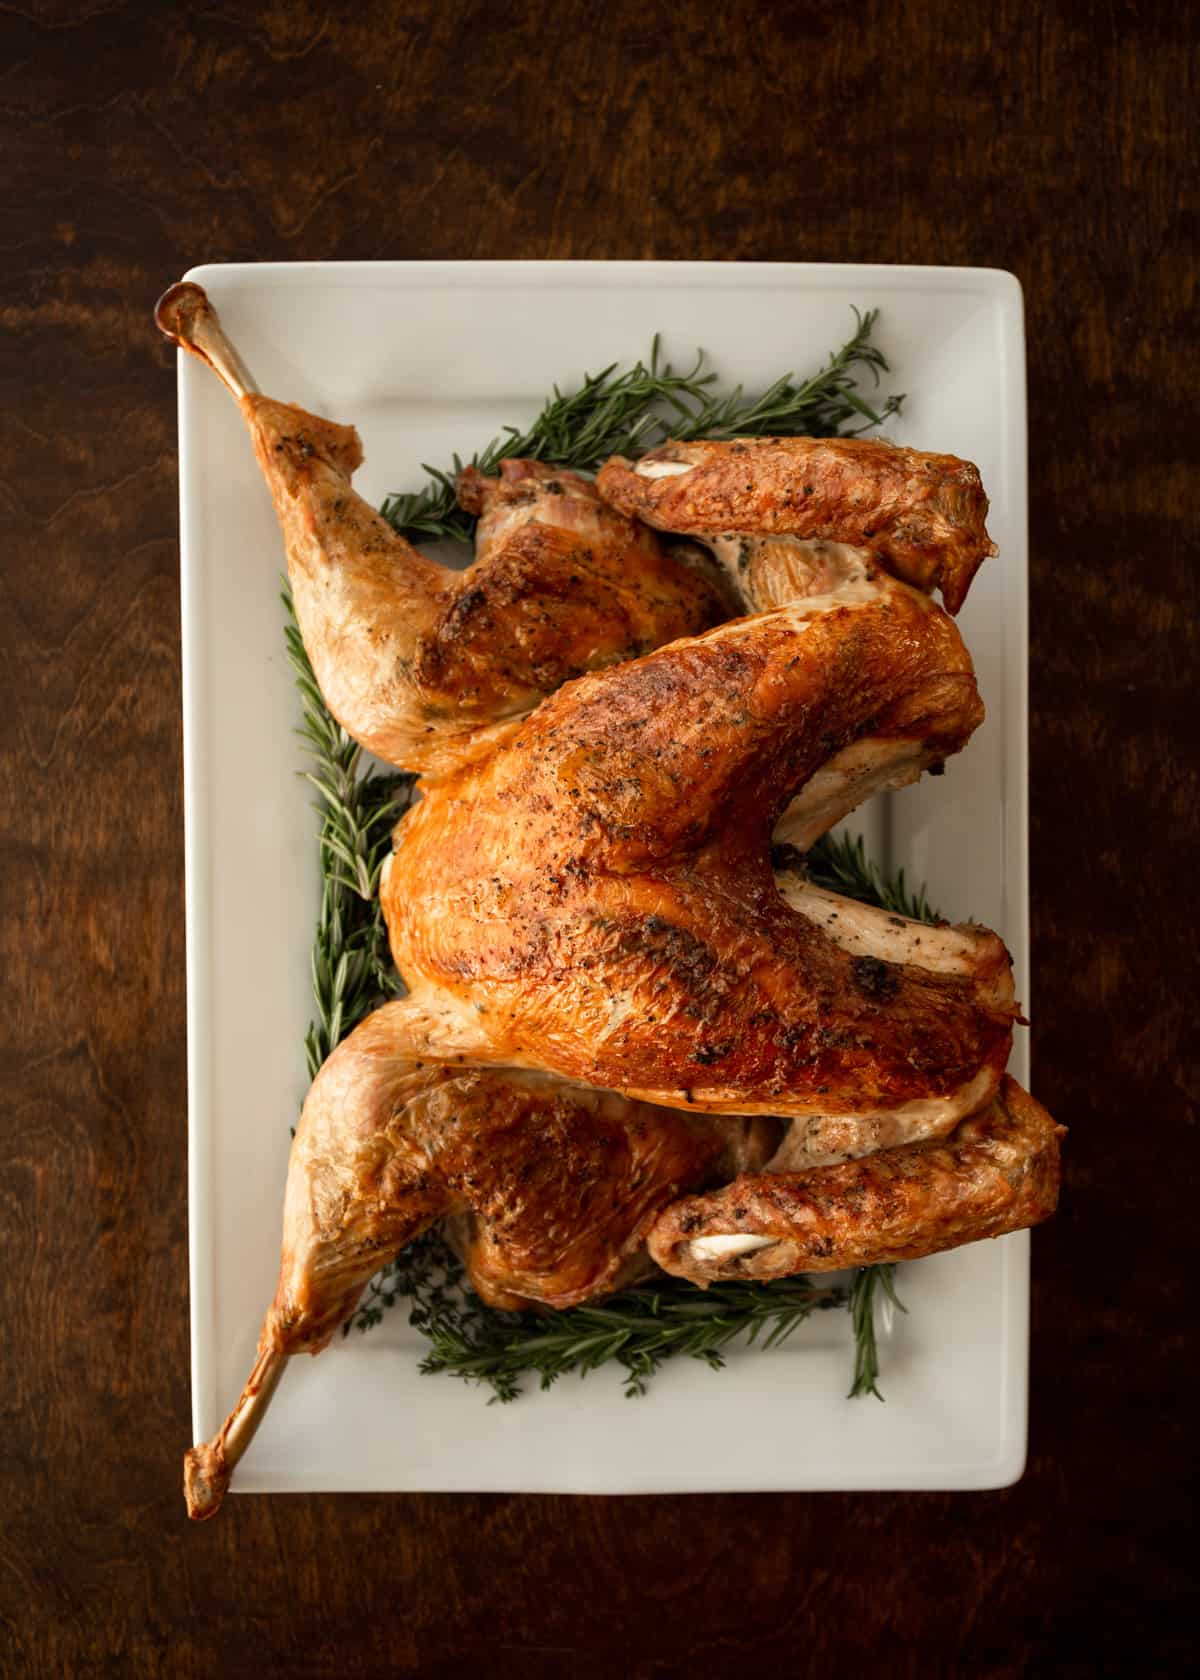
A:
[208,1467]
[185,316]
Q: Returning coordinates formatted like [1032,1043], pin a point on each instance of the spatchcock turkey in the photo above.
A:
[628,1040]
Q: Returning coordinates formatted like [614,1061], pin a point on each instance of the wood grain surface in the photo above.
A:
[139,138]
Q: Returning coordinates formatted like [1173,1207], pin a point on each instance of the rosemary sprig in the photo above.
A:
[351,970]
[639,1329]
[840,863]
[627,412]
[862,1317]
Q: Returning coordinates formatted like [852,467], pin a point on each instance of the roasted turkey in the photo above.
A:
[635,1032]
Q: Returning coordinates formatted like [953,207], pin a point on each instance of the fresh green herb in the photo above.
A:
[640,1328]
[862,1316]
[627,412]
[840,863]
[351,970]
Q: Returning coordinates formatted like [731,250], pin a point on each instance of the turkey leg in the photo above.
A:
[425,665]
[553,1187]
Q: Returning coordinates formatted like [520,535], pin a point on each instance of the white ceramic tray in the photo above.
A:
[431,358]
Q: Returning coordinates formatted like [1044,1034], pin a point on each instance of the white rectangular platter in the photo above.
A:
[431,358]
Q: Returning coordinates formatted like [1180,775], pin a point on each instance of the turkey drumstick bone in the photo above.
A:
[185,316]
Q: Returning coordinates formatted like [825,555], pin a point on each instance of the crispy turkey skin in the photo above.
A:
[997,1172]
[919,515]
[596,898]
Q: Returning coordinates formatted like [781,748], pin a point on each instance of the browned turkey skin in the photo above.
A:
[560,1181]
[596,897]
[998,1172]
[559,1188]
[555,1187]
[422,664]
[608,979]
[918,515]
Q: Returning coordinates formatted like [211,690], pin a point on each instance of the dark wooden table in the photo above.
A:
[138,139]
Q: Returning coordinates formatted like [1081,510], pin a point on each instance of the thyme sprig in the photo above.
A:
[626,412]
[351,971]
